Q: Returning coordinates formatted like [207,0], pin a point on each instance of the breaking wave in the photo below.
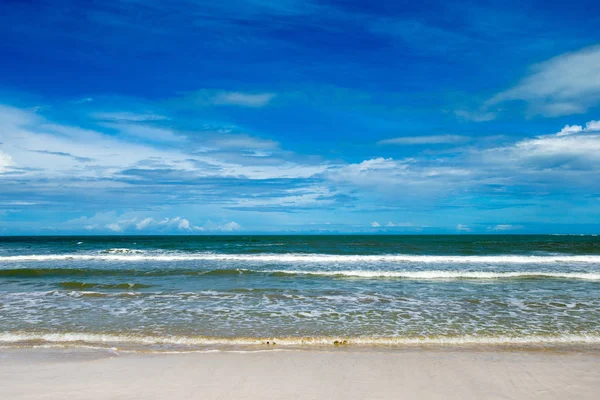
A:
[365,274]
[124,255]
[24,338]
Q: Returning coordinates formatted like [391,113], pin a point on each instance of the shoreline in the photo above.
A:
[313,374]
[139,344]
[248,348]
[138,339]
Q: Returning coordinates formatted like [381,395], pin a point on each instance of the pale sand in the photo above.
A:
[344,374]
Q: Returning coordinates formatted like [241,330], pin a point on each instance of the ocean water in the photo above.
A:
[184,293]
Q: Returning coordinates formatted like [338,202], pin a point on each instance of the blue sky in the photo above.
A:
[248,116]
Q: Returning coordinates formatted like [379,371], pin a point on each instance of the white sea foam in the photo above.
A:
[124,255]
[110,339]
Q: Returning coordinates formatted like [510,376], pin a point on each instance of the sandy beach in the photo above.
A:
[314,374]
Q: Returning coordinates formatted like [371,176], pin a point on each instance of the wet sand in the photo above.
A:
[344,374]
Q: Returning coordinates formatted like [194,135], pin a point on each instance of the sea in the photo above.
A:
[193,293]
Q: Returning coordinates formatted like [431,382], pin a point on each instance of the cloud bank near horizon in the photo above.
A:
[45,163]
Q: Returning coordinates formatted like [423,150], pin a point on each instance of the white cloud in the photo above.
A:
[462,228]
[127,223]
[590,126]
[210,226]
[11,117]
[113,227]
[534,165]
[106,221]
[390,171]
[504,227]
[191,100]
[143,131]
[558,152]
[401,179]
[230,98]
[23,132]
[547,163]
[171,222]
[143,224]
[243,99]
[366,166]
[184,225]
[242,141]
[569,130]
[84,100]
[375,224]
[19,203]
[128,166]
[123,224]
[5,161]
[304,197]
[128,116]
[416,140]
[564,85]
[60,151]
[231,227]
[400,224]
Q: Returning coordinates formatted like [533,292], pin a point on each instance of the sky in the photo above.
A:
[299,116]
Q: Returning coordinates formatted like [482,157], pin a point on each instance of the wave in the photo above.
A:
[129,255]
[17,338]
[123,251]
[87,286]
[448,275]
[58,272]
[365,274]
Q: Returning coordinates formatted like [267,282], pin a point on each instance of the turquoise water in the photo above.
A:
[186,292]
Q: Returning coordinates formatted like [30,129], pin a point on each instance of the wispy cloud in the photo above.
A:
[145,131]
[125,167]
[504,227]
[242,141]
[63,154]
[482,115]
[418,140]
[391,224]
[206,97]
[83,100]
[128,116]
[143,224]
[242,99]
[564,85]
[462,228]
[421,36]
